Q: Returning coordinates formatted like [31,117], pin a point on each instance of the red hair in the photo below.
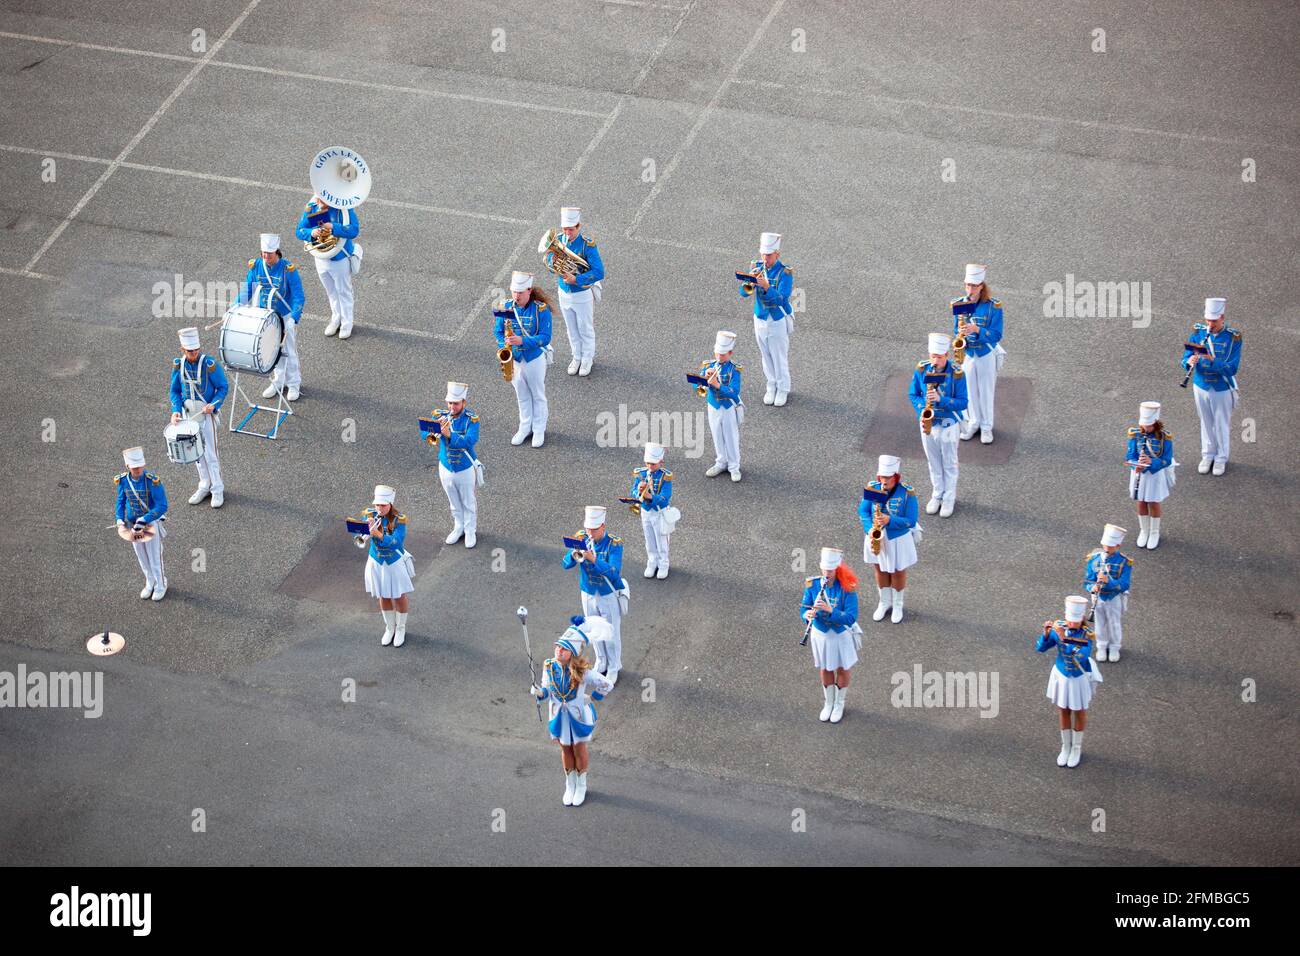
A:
[848,580]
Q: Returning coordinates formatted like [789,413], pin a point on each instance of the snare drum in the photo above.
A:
[250,339]
[184,442]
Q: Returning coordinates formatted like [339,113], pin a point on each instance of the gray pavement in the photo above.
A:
[1116,166]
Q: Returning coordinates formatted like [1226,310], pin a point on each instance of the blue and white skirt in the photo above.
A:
[568,730]
[832,651]
[896,554]
[1154,487]
[388,580]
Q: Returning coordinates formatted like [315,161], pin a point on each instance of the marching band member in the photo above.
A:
[601,587]
[1151,462]
[458,464]
[198,388]
[579,293]
[652,486]
[273,283]
[982,330]
[773,319]
[896,518]
[389,568]
[142,500]
[830,606]
[725,407]
[1212,356]
[530,341]
[320,220]
[1071,685]
[569,684]
[1106,575]
[939,390]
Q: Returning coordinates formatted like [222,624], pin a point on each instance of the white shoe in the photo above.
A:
[471,539]
[1076,749]
[270,391]
[583,371]
[986,436]
[1144,525]
[570,783]
[160,590]
[886,602]
[333,326]
[1114,655]
[932,506]
[780,399]
[837,711]
[1204,467]
[613,675]
[945,510]
[539,438]
[390,625]
[649,571]
[454,536]
[1220,467]
[148,589]
[580,790]
[520,436]
[218,499]
[829,694]
[345,333]
[399,636]
[294,392]
[735,475]
[715,470]
[573,367]
[663,571]
[1064,755]
[897,614]
[769,396]
[200,493]
[1153,538]
[1101,652]
[968,430]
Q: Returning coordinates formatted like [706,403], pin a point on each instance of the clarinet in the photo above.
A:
[807,631]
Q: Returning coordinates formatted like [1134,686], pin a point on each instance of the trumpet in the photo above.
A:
[437,418]
[703,390]
[359,527]
[754,270]
[506,355]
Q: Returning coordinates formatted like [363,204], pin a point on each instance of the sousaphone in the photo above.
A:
[340,178]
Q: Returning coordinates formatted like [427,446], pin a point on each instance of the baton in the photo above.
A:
[528,649]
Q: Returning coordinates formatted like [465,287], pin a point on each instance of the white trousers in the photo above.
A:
[459,486]
[656,543]
[609,654]
[579,322]
[1215,410]
[941,455]
[1110,630]
[208,465]
[981,381]
[287,370]
[149,554]
[529,383]
[774,345]
[726,437]
[336,277]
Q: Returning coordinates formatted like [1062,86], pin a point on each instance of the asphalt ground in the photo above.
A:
[1122,166]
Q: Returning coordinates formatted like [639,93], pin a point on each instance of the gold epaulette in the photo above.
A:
[1236,334]
[668,476]
[922,364]
[250,263]
[615,540]
[154,478]
[960,298]
[401,519]
[808,581]
[473,418]
[212,363]
[1093,553]
[789,269]
[705,363]
[117,479]
[502,305]
[957,372]
[1168,436]
[588,240]
[738,368]
[910,489]
[636,472]
[1134,431]
[541,305]
[1127,560]
[289,266]
[997,303]
[309,207]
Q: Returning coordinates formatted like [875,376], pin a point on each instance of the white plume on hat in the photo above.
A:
[570,216]
[1075,607]
[724,341]
[938,343]
[270,242]
[384,495]
[975,272]
[520,281]
[1113,535]
[831,558]
[456,392]
[769,242]
[189,338]
[654,453]
[595,517]
[888,465]
[593,629]
[1148,413]
[1214,308]
[134,457]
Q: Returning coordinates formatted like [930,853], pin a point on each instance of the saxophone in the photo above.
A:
[927,413]
[506,355]
[877,535]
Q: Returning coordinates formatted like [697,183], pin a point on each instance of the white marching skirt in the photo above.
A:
[833,651]
[1154,488]
[568,730]
[388,580]
[1072,693]
[896,554]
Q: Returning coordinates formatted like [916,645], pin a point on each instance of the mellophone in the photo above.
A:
[877,499]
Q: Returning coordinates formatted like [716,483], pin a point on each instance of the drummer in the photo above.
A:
[273,283]
[198,388]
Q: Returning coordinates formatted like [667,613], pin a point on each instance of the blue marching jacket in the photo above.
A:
[661,487]
[1160,448]
[606,576]
[343,223]
[844,605]
[389,546]
[277,287]
[988,316]
[902,508]
[140,499]
[952,392]
[532,323]
[212,385]
[585,247]
[1072,660]
[1216,374]
[775,302]
[1119,567]
[456,451]
[726,394]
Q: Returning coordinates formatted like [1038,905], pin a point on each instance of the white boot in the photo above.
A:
[452,538]
[390,621]
[898,607]
[1154,538]
[333,325]
[886,602]
[518,437]
[570,782]
[580,791]
[828,692]
[1076,749]
[399,636]
[1101,651]
[649,571]
[148,589]
[933,505]
[1064,755]
[1144,525]
[837,710]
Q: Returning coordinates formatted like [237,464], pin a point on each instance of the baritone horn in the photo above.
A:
[341,179]
[558,257]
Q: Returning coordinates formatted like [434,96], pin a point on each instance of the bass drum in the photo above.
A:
[251,339]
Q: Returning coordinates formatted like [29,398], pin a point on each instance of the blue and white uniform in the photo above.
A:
[336,272]
[657,514]
[1215,383]
[898,549]
[194,386]
[942,442]
[1155,483]
[1071,683]
[725,407]
[834,636]
[532,323]
[773,319]
[278,288]
[983,356]
[570,704]
[142,500]
[388,573]
[578,298]
[1110,575]
[602,590]
[459,469]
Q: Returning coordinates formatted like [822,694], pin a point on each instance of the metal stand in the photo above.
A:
[281,410]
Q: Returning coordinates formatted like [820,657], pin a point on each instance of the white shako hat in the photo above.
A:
[975,272]
[270,242]
[1075,607]
[831,558]
[1113,535]
[888,465]
[724,342]
[769,242]
[189,337]
[384,495]
[653,453]
[456,392]
[1214,308]
[1148,413]
[938,343]
[520,281]
[570,216]
[595,517]
[134,457]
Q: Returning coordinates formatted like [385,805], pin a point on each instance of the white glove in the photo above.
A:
[121,523]
[535,690]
